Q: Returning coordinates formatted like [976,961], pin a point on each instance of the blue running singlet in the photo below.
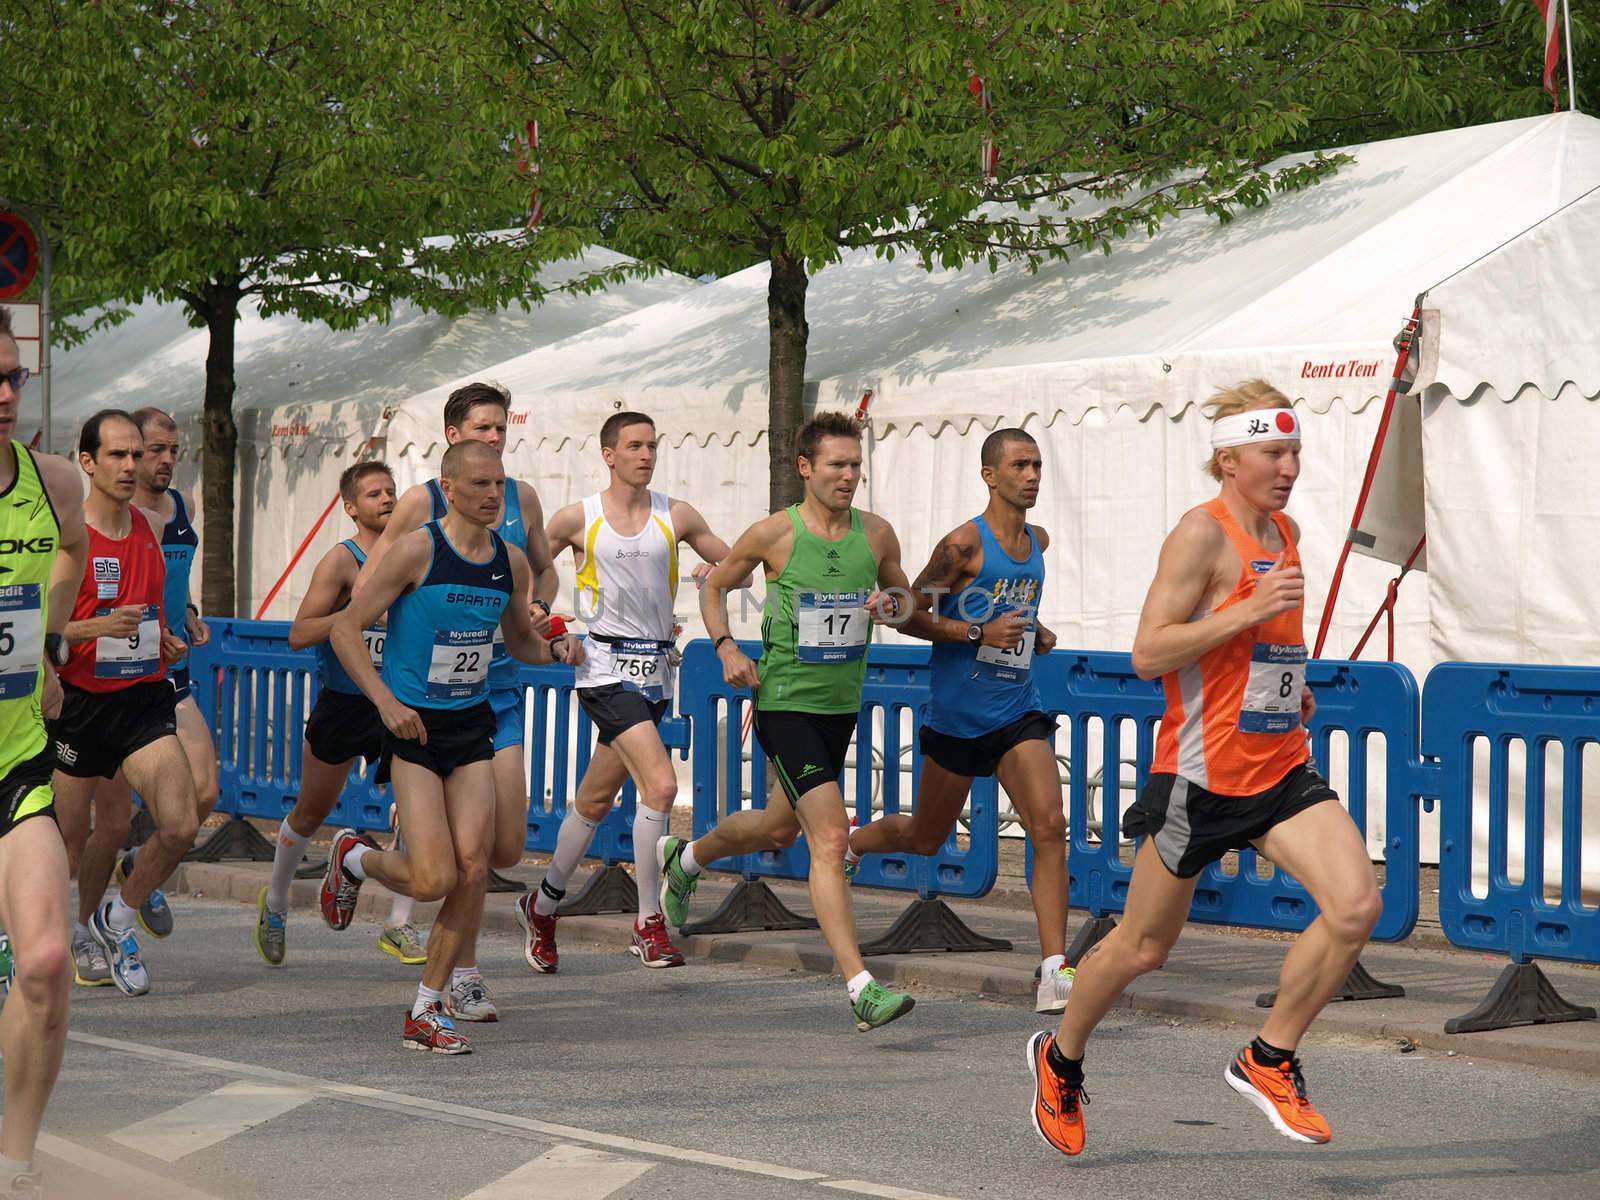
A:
[178,545]
[513,531]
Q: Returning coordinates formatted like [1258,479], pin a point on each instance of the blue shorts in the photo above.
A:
[510,707]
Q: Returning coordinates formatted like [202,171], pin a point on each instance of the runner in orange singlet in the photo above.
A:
[1221,626]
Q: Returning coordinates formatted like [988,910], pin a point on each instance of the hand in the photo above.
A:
[1044,640]
[541,616]
[50,701]
[1005,632]
[403,722]
[173,648]
[701,573]
[121,622]
[1308,706]
[567,649]
[1278,591]
[199,631]
[738,670]
[884,608]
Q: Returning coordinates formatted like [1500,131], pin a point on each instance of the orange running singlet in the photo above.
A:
[1232,724]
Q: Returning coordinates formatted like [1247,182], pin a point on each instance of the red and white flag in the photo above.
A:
[528,164]
[989,155]
[1552,46]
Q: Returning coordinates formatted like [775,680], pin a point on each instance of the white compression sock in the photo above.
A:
[686,859]
[286,859]
[352,861]
[649,827]
[400,911]
[122,916]
[425,997]
[857,983]
[1053,963]
[572,843]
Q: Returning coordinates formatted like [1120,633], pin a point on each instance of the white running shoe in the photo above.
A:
[468,1000]
[1054,989]
[122,952]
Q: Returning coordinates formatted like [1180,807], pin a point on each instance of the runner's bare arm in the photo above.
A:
[759,546]
[410,512]
[522,641]
[951,567]
[891,603]
[401,568]
[694,532]
[1187,572]
[564,530]
[199,631]
[330,584]
[62,486]
[545,581]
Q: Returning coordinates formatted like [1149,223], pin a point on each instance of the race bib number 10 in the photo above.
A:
[21,640]
[832,627]
[130,657]
[1272,692]
[459,668]
[374,638]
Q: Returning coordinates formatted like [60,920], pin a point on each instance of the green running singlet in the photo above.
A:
[28,537]
[814,624]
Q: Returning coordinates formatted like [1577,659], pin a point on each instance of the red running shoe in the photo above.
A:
[539,946]
[1280,1093]
[340,889]
[433,1031]
[651,945]
[1057,1105]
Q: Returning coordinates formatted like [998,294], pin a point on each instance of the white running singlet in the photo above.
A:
[626,587]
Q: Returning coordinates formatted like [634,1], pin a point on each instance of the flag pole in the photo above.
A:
[1572,94]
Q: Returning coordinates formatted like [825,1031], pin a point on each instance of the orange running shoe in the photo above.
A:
[1057,1106]
[1279,1092]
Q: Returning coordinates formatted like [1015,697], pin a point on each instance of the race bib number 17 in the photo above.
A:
[831,627]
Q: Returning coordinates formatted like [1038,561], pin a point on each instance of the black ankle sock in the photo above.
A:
[1068,1069]
[554,893]
[1268,1055]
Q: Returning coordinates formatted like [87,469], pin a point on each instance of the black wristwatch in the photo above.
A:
[541,603]
[56,647]
[974,634]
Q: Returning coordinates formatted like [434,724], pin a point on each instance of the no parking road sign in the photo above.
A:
[19,255]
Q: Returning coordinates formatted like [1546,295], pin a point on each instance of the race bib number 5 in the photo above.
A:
[21,640]
[459,668]
[832,627]
[1009,664]
[1272,692]
[130,657]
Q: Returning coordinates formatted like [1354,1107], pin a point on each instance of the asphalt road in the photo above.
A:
[606,1080]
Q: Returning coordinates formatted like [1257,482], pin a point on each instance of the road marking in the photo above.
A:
[128,1180]
[571,1172]
[883,1190]
[209,1119]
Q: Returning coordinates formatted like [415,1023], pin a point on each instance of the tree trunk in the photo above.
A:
[786,375]
[219,456]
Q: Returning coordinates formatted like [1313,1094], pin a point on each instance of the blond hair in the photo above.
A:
[1241,397]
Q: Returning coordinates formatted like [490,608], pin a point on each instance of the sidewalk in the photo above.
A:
[1212,975]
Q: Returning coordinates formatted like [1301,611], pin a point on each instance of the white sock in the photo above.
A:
[10,1168]
[686,859]
[352,861]
[121,916]
[1052,963]
[286,860]
[857,983]
[80,932]
[850,856]
[572,843]
[460,973]
[649,827]
[400,911]
[425,997]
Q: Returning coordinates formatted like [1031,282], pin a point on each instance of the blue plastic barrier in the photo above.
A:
[1359,700]
[897,681]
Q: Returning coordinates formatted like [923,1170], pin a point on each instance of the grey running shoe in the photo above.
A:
[468,1000]
[271,928]
[122,952]
[155,918]
[90,967]
[403,942]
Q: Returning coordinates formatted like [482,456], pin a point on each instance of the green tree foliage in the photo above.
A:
[294,156]
[713,134]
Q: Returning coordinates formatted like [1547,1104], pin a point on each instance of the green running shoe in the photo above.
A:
[677,885]
[271,928]
[8,964]
[877,1005]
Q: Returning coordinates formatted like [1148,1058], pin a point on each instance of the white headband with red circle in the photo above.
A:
[1257,425]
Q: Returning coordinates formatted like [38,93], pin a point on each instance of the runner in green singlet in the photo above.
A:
[825,562]
[42,547]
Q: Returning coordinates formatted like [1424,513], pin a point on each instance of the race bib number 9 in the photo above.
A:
[459,669]
[1012,664]
[832,627]
[21,640]
[130,657]
[641,666]
[1272,692]
[374,638]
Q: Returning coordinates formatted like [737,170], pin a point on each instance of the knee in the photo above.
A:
[827,845]
[1146,955]
[660,794]
[507,849]
[432,881]
[1353,919]
[1049,836]
[471,872]
[43,975]
[177,835]
[114,822]
[784,836]
[206,792]
[924,841]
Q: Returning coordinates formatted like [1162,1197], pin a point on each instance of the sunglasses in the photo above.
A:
[16,378]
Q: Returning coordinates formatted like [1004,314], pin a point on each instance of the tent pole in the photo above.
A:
[1396,385]
[1572,92]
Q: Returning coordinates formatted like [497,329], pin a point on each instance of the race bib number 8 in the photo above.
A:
[374,638]
[21,640]
[459,668]
[832,627]
[1272,692]
[641,666]
[130,657]
[1009,664]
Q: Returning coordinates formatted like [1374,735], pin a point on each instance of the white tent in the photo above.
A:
[310,396]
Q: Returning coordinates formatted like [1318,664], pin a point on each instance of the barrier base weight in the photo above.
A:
[236,840]
[751,905]
[930,926]
[1523,995]
[502,883]
[311,870]
[1090,932]
[609,889]
[1358,985]
[142,829]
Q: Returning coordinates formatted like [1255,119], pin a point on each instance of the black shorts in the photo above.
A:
[178,677]
[979,756]
[806,749]
[25,792]
[97,731]
[616,709]
[343,726]
[1192,827]
[456,737]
